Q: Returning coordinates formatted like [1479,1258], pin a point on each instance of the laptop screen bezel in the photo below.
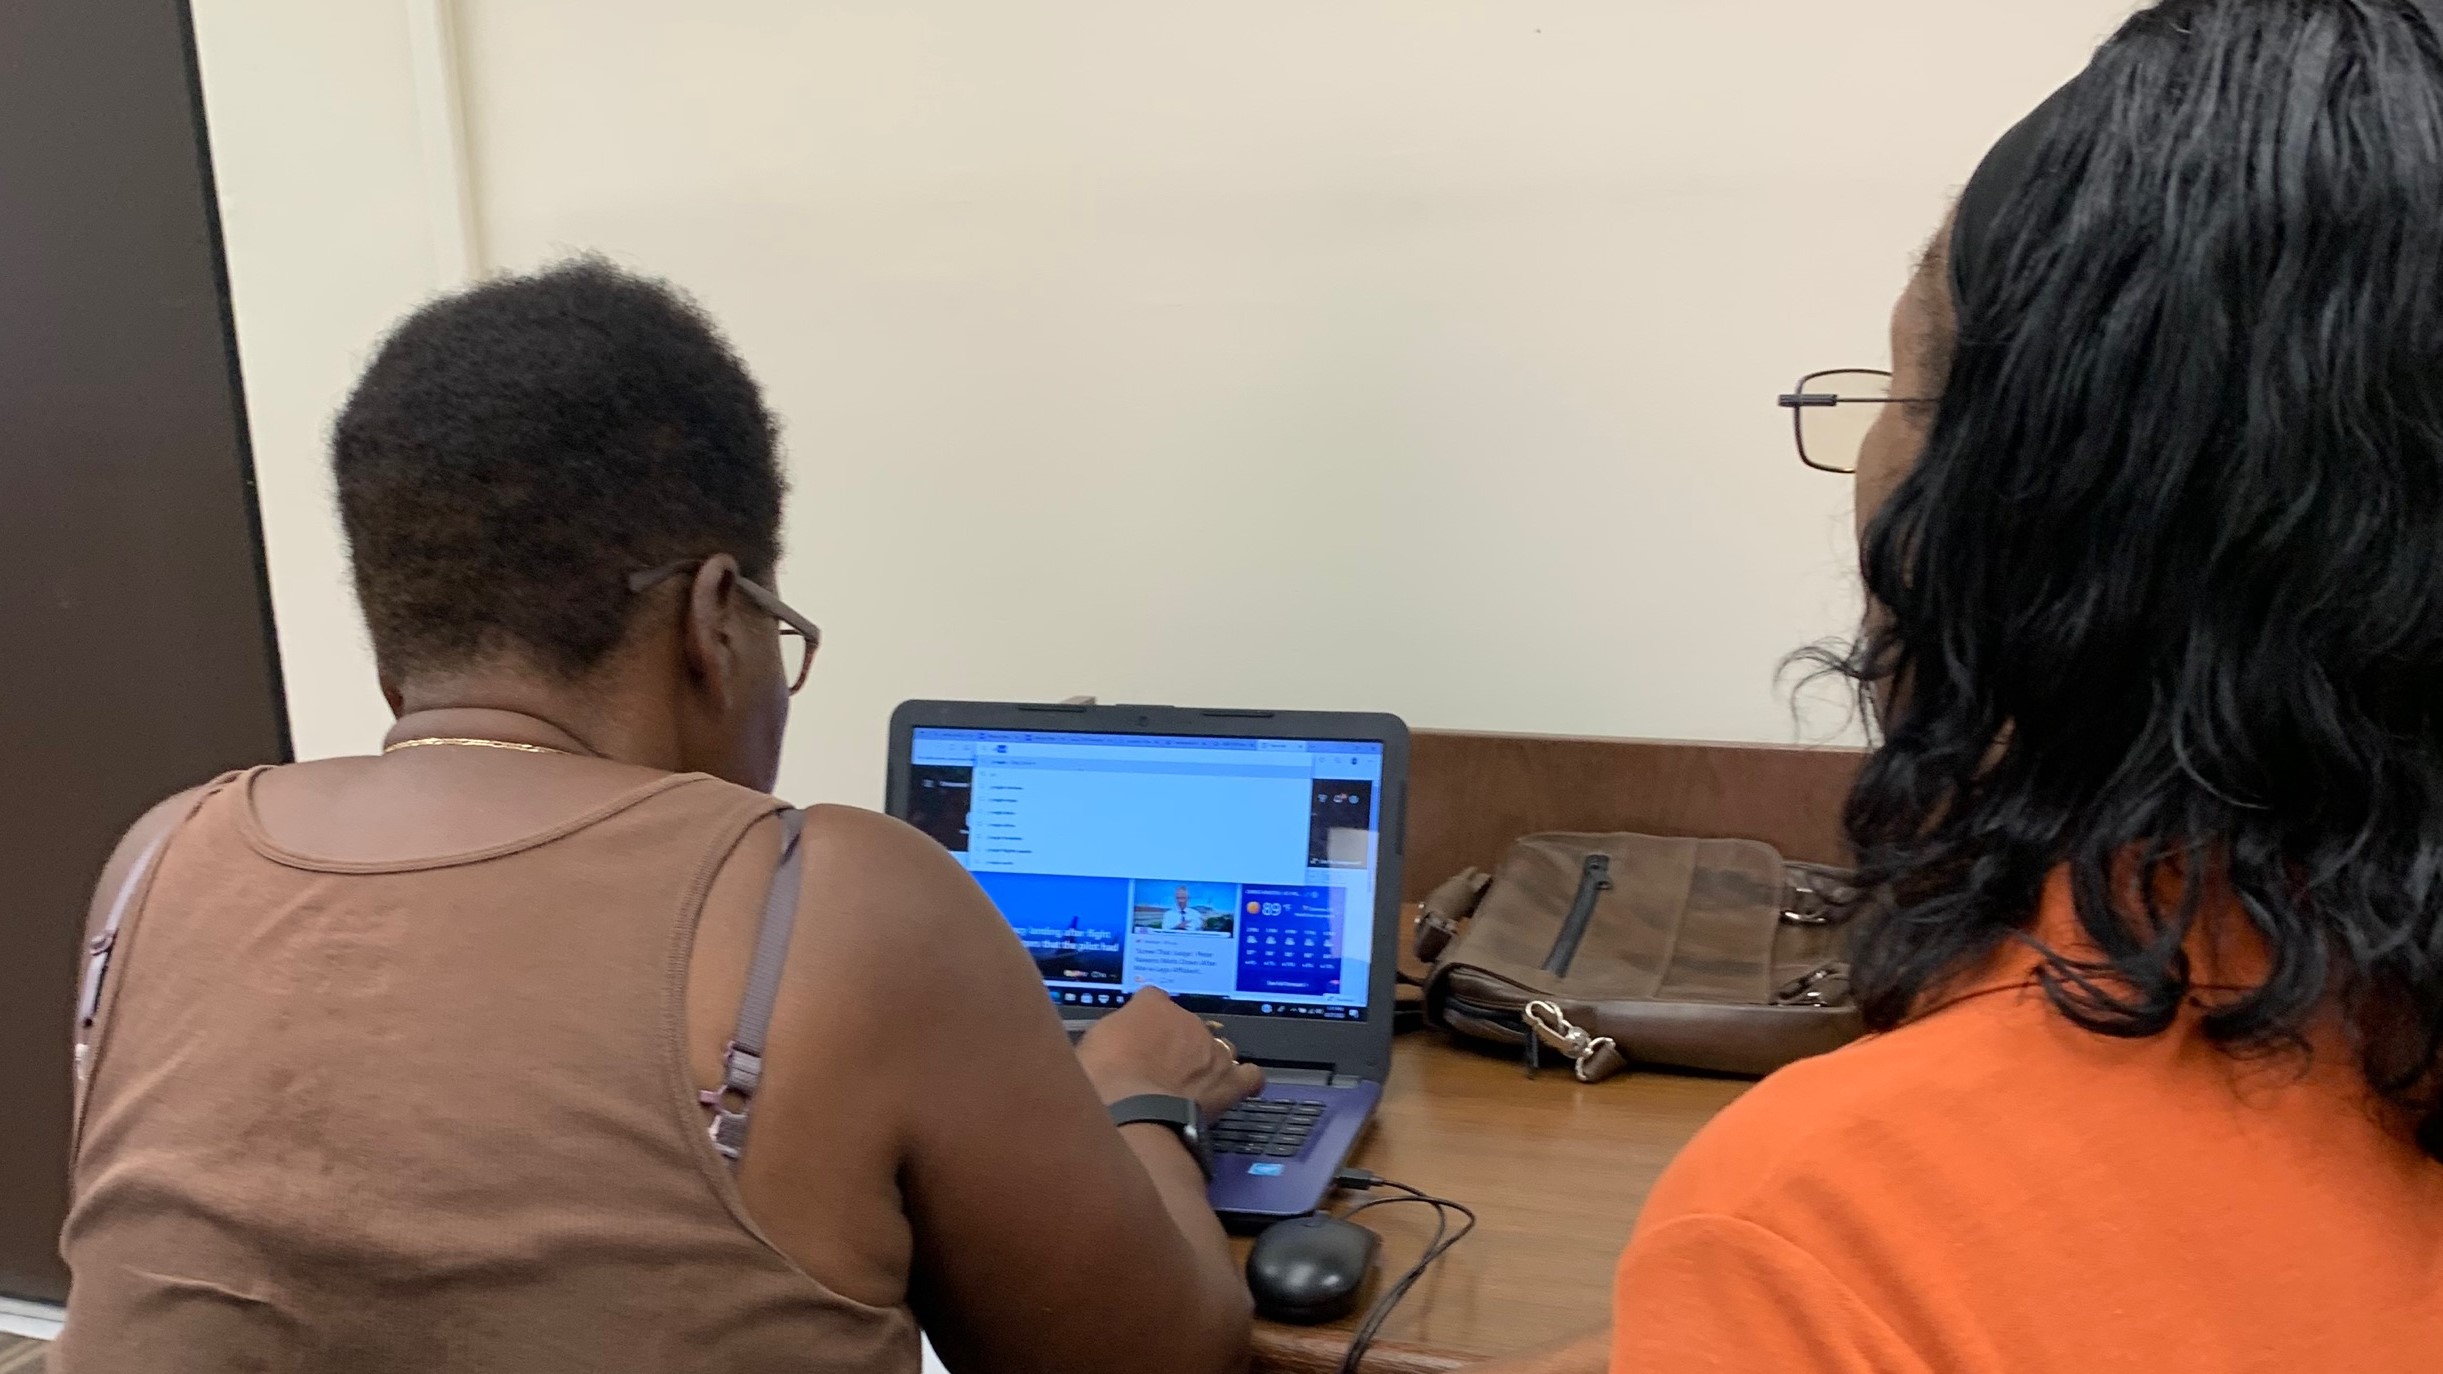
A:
[1360,1048]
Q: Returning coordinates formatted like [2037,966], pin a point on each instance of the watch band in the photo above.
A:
[1180,1114]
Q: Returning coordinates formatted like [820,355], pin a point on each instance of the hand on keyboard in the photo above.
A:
[1153,1046]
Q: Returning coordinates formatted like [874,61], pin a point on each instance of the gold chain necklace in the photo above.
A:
[473,744]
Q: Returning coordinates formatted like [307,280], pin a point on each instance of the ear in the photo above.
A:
[705,633]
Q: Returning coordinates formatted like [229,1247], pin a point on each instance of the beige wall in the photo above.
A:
[317,155]
[1412,355]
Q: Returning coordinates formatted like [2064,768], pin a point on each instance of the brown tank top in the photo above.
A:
[428,1115]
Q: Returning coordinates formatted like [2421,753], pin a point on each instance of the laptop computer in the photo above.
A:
[1245,862]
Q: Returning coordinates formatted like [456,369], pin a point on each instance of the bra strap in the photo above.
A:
[742,1060]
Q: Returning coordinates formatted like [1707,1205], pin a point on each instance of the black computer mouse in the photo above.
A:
[1310,1269]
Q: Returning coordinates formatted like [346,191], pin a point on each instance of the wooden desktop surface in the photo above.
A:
[1556,1171]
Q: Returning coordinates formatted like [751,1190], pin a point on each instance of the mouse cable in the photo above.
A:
[1445,1238]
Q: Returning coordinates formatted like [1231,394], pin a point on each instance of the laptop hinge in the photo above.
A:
[1305,1078]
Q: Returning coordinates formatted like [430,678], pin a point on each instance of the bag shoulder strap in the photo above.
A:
[104,945]
[742,1060]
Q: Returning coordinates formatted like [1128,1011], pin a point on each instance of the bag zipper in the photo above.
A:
[1594,878]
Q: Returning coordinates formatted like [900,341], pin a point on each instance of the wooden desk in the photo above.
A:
[1556,1172]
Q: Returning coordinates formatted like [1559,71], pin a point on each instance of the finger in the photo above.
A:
[1232,1087]
[1222,1091]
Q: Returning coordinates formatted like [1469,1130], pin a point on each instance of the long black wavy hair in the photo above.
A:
[2162,603]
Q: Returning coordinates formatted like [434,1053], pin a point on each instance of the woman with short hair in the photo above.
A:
[439,1060]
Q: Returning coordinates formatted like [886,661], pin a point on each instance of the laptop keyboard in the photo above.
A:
[1268,1126]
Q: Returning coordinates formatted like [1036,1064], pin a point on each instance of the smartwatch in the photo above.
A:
[1180,1114]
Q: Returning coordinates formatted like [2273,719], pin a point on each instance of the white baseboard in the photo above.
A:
[39,1320]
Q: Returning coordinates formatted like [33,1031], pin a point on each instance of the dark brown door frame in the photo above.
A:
[136,646]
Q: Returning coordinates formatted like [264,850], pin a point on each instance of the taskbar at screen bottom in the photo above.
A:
[1206,1004]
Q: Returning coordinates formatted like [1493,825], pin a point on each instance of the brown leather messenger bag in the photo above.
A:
[1609,950]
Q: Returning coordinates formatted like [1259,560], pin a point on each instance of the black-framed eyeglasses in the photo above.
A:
[1830,413]
[807,633]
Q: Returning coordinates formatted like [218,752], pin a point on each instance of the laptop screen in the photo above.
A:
[1237,875]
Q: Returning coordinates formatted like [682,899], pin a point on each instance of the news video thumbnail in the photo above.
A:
[1197,908]
[1075,928]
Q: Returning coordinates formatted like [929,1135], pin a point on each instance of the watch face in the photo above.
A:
[1192,1135]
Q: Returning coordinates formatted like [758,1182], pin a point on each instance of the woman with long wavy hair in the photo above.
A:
[2152,532]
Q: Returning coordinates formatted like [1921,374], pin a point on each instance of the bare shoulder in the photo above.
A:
[851,833]
[896,929]
[166,813]
[878,856]
[149,829]
[898,891]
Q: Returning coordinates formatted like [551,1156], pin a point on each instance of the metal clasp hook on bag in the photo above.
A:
[1815,898]
[1593,1057]
[1824,986]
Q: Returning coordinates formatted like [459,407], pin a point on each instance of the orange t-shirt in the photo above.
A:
[1991,1189]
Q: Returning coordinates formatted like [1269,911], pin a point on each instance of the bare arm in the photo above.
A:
[1153,1034]
[1045,1239]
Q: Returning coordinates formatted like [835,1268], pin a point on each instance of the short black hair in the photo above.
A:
[516,450]
[2164,593]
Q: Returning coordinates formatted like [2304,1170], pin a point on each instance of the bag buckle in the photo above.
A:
[1813,988]
[1592,1057]
[1804,903]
